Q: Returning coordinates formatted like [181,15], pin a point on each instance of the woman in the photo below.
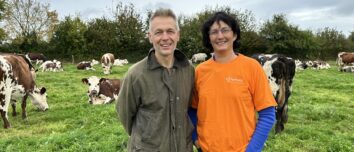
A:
[230,89]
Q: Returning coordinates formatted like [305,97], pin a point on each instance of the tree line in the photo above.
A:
[30,26]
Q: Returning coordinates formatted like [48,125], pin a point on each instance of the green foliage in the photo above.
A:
[283,38]
[130,35]
[69,39]
[330,43]
[101,37]
[28,22]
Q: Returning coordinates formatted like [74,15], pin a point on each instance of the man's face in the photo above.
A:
[163,35]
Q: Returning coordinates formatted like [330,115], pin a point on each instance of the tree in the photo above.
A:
[284,38]
[101,37]
[29,19]
[2,9]
[69,39]
[130,35]
[331,42]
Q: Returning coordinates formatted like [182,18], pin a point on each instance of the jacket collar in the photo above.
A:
[181,60]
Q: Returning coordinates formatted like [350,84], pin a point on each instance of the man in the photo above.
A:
[156,92]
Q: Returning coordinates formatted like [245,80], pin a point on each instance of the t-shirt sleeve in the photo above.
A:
[262,94]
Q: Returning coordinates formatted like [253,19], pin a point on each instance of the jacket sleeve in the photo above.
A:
[127,103]
[265,123]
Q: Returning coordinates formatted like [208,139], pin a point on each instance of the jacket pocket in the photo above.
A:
[149,125]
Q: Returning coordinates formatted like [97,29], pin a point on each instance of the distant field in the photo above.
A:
[321,116]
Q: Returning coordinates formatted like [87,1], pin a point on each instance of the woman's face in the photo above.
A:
[221,37]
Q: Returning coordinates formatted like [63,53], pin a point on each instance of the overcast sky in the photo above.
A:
[307,14]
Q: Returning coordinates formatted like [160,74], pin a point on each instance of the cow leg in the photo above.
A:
[284,115]
[108,100]
[13,104]
[4,118]
[23,106]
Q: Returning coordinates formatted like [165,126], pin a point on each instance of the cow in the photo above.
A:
[345,58]
[280,71]
[16,82]
[102,90]
[300,65]
[120,62]
[37,57]
[107,61]
[54,66]
[87,65]
[199,57]
[347,69]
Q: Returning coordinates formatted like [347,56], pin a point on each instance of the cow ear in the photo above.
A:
[84,80]
[102,79]
[43,90]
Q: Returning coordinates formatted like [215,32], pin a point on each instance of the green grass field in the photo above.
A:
[321,116]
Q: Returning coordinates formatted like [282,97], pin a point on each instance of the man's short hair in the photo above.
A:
[163,12]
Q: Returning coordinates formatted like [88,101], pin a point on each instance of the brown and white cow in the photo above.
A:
[16,82]
[54,66]
[87,65]
[107,61]
[102,90]
[37,57]
[280,71]
[345,59]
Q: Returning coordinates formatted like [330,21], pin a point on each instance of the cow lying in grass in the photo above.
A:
[102,90]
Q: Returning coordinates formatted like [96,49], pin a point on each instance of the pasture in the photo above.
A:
[321,116]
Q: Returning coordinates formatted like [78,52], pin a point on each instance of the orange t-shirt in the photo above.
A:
[227,97]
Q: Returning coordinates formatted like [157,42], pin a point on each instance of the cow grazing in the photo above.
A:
[280,71]
[345,58]
[107,61]
[102,90]
[36,57]
[87,65]
[199,57]
[16,82]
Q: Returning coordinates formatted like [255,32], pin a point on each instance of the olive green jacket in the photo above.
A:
[153,104]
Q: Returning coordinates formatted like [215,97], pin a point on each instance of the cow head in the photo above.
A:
[39,98]
[106,68]
[94,88]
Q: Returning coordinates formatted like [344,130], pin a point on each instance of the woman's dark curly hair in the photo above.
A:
[217,17]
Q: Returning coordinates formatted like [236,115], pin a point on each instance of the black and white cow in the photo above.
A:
[280,71]
[16,82]
[102,90]
[107,61]
[87,65]
[36,57]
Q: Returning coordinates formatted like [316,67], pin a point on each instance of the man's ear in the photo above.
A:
[149,37]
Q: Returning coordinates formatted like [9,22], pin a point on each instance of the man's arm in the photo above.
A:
[266,119]
[127,103]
